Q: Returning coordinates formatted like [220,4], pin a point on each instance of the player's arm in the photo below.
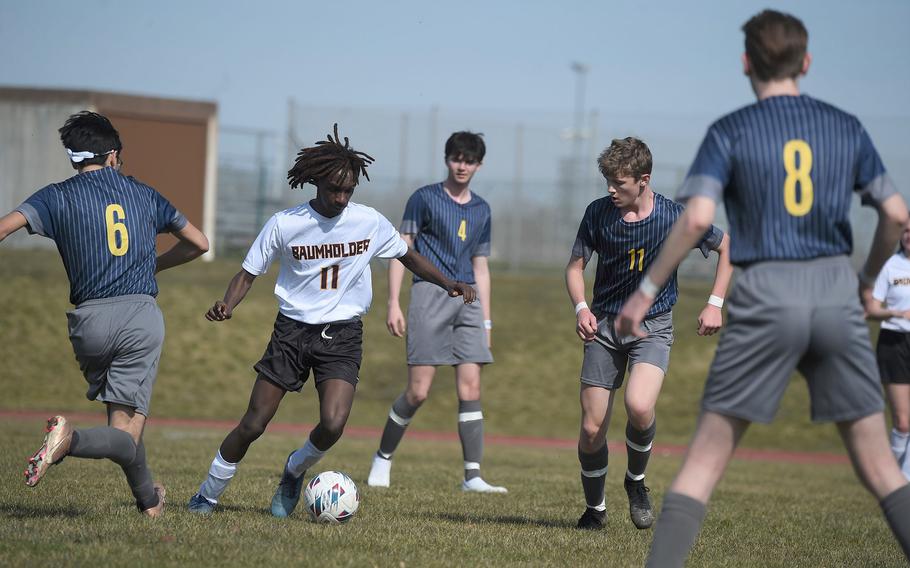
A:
[238,287]
[11,223]
[688,229]
[191,243]
[876,310]
[481,267]
[585,322]
[711,318]
[419,265]
[892,217]
[395,321]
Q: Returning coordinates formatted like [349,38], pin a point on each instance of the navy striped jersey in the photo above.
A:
[626,249]
[787,167]
[449,234]
[104,225]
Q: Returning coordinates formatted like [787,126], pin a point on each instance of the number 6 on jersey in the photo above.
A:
[113,218]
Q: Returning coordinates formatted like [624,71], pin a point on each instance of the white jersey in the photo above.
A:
[325,262]
[893,288]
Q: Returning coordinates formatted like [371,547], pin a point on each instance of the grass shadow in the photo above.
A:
[18,511]
[504,520]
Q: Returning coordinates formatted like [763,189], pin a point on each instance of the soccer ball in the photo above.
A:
[331,497]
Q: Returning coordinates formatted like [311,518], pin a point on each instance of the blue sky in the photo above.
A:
[664,67]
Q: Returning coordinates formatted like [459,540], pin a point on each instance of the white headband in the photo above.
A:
[79,156]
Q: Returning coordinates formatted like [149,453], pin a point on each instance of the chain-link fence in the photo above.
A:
[538,175]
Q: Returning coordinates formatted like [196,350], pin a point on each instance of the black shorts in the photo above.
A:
[332,351]
[893,355]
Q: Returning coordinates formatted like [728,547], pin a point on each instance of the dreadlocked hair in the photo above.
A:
[329,159]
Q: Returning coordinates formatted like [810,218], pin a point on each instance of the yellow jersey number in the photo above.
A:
[463,230]
[641,258]
[798,175]
[114,218]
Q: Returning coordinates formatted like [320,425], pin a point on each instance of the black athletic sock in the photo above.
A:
[896,506]
[593,475]
[470,432]
[399,417]
[139,478]
[638,444]
[103,442]
[677,527]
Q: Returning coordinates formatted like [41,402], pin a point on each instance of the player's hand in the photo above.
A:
[219,312]
[628,322]
[395,321]
[466,291]
[710,320]
[489,339]
[585,325]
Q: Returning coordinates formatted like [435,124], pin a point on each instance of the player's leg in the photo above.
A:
[596,409]
[899,403]
[420,378]
[645,381]
[893,358]
[684,506]
[874,464]
[334,352]
[470,428]
[264,401]
[149,495]
[336,396]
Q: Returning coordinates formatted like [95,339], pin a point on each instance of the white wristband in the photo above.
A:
[716,301]
[488,324]
[648,288]
[582,305]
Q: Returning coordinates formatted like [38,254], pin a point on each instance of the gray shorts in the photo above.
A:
[606,357]
[117,342]
[792,315]
[443,330]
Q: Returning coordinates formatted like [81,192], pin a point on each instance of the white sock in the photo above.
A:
[899,443]
[220,473]
[304,458]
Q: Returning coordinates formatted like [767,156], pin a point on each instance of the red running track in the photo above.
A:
[374,433]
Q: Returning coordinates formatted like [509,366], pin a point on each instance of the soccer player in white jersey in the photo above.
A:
[324,247]
[890,302]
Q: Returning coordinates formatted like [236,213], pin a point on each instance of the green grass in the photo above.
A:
[205,371]
[764,514]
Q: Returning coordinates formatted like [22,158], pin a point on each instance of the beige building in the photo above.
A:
[168,144]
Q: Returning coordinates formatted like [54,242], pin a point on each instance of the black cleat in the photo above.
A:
[592,519]
[640,509]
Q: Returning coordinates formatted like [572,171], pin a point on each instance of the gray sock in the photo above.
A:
[593,476]
[139,477]
[470,431]
[677,527]
[399,417]
[896,506]
[103,442]
[638,444]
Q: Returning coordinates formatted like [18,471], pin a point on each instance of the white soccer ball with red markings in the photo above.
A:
[331,497]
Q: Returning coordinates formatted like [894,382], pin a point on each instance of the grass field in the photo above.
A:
[764,514]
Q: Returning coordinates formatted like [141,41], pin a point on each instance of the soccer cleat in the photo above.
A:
[200,505]
[158,509]
[56,445]
[478,485]
[640,509]
[287,495]
[592,519]
[379,472]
